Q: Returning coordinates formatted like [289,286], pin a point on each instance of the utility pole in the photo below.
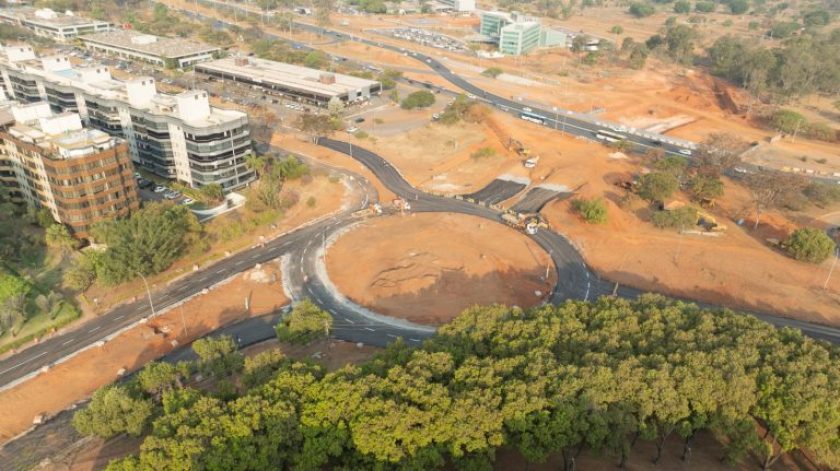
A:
[148,293]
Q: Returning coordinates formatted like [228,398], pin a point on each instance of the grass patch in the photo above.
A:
[38,326]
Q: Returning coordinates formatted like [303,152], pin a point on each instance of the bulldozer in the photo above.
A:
[527,223]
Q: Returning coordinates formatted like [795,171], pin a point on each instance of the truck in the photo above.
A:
[527,223]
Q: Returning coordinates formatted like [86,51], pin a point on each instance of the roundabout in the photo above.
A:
[428,267]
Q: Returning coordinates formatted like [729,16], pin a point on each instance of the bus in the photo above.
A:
[609,136]
[534,118]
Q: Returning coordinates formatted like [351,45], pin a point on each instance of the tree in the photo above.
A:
[145,243]
[58,236]
[638,56]
[317,126]
[657,186]
[705,187]
[418,99]
[680,41]
[260,368]
[81,274]
[816,18]
[788,121]
[809,244]
[770,189]
[617,30]
[157,377]
[579,43]
[323,9]
[218,356]
[335,106]
[593,211]
[673,164]
[718,153]
[682,6]
[305,323]
[113,410]
[738,7]
[12,313]
[705,7]
[641,9]
[44,218]
[215,191]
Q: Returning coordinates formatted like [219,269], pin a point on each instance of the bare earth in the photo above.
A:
[429,267]
[78,377]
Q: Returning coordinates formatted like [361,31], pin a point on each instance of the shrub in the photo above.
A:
[809,244]
[419,99]
[822,194]
[641,9]
[593,211]
[680,218]
[483,153]
[682,6]
[783,30]
[787,121]
[492,72]
[738,7]
[705,187]
[704,7]
[311,201]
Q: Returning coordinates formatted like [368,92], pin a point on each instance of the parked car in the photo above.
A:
[187,200]
[352,129]
[527,110]
[160,189]
[171,194]
[360,120]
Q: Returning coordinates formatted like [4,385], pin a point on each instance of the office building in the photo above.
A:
[307,85]
[81,175]
[459,5]
[168,52]
[519,38]
[61,27]
[178,136]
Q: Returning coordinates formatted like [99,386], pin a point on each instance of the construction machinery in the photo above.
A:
[528,223]
[518,147]
[374,209]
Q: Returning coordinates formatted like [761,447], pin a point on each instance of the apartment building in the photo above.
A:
[61,27]
[178,136]
[80,175]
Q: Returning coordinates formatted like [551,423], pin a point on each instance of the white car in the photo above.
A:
[352,129]
[685,151]
[160,189]
[527,110]
[187,201]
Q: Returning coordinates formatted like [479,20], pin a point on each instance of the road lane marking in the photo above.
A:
[414,340]
[24,362]
[368,328]
[391,335]
[348,320]
[93,329]
[67,342]
[120,317]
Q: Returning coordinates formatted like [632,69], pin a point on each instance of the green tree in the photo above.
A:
[738,7]
[617,30]
[816,18]
[157,377]
[215,191]
[81,273]
[809,245]
[680,41]
[638,56]
[59,237]
[682,6]
[641,9]
[317,126]
[705,7]
[218,356]
[657,186]
[418,99]
[788,121]
[705,187]
[260,368]
[593,211]
[113,410]
[145,243]
[304,323]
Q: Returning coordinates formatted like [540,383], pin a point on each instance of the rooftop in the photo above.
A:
[168,48]
[45,16]
[62,132]
[266,71]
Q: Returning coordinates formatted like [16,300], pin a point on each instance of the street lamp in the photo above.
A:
[148,293]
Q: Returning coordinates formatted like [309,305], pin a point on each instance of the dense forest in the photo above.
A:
[593,376]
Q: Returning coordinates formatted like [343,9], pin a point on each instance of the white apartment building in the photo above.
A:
[47,23]
[178,136]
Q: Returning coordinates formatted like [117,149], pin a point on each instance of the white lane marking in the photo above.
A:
[368,328]
[68,342]
[348,320]
[217,272]
[391,335]
[120,317]
[93,329]
[24,362]
[414,340]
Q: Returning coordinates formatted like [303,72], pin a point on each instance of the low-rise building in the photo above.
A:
[178,136]
[47,23]
[81,175]
[307,85]
[168,52]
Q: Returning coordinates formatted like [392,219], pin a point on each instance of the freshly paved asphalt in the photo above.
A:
[575,280]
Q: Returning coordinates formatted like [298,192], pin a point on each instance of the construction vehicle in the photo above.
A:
[518,147]
[532,162]
[708,222]
[528,223]
[373,210]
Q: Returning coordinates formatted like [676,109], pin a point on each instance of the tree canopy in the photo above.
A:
[549,380]
[809,244]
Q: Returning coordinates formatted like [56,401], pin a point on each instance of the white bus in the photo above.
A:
[609,136]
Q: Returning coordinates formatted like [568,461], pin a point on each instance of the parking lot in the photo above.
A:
[426,38]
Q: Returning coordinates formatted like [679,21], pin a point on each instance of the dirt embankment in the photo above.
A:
[77,378]
[429,267]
